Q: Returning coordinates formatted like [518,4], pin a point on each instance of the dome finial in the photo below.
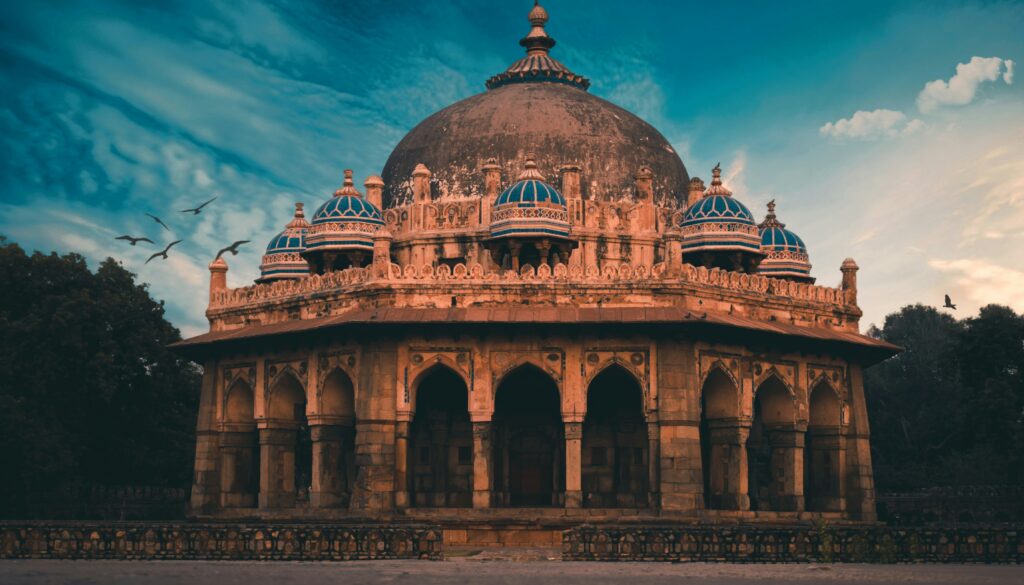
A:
[717,188]
[538,40]
[299,219]
[770,221]
[530,169]
[348,187]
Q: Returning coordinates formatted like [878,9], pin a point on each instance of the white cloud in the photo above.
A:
[962,87]
[985,282]
[865,125]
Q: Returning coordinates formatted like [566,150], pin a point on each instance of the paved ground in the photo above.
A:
[491,568]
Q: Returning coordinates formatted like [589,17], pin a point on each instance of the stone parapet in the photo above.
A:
[219,542]
[794,544]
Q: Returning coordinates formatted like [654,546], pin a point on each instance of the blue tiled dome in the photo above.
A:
[785,253]
[283,257]
[530,193]
[348,208]
[287,241]
[718,208]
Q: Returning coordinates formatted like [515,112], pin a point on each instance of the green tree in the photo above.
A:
[89,390]
[948,410]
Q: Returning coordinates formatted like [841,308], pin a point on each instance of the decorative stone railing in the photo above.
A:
[351,277]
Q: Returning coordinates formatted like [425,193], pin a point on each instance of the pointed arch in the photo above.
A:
[337,396]
[614,441]
[824,446]
[440,440]
[528,438]
[525,363]
[426,370]
[617,361]
[777,400]
[239,403]
[824,404]
[286,394]
[774,409]
[719,413]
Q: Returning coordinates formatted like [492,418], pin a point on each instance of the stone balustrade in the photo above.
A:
[285,542]
[636,275]
[793,544]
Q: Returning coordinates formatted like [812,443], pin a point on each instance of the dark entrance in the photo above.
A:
[529,444]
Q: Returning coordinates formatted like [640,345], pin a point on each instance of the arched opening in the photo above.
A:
[288,448]
[529,440]
[767,471]
[614,446]
[334,444]
[239,449]
[824,450]
[441,442]
[514,254]
[719,416]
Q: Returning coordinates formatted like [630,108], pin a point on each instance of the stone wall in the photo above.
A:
[219,542]
[794,544]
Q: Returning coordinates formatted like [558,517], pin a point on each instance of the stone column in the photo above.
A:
[205,480]
[277,468]
[402,464]
[238,460]
[787,457]
[328,489]
[482,464]
[653,463]
[573,464]
[728,461]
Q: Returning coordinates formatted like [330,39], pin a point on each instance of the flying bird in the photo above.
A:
[157,219]
[163,254]
[949,304]
[233,248]
[196,210]
[132,240]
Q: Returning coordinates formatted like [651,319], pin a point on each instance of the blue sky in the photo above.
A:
[854,116]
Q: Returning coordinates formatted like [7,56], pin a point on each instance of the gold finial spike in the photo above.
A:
[771,207]
[348,186]
[348,178]
[299,213]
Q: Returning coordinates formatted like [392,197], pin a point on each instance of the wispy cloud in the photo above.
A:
[960,89]
[984,282]
[872,125]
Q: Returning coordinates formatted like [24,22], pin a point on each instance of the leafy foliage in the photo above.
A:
[90,392]
[949,410]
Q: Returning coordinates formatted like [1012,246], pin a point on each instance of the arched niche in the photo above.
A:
[824,448]
[239,449]
[441,441]
[528,440]
[287,458]
[333,435]
[774,410]
[719,406]
[614,449]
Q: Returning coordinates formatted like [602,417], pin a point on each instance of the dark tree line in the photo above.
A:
[949,410]
[89,391]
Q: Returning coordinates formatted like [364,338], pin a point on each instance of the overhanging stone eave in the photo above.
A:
[865,349]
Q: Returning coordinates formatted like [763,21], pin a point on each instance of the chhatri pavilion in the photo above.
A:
[534,312]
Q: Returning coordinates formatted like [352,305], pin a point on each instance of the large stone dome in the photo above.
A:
[536,106]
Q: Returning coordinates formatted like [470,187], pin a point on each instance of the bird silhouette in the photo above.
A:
[158,220]
[196,210]
[132,240]
[949,304]
[233,248]
[163,253]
